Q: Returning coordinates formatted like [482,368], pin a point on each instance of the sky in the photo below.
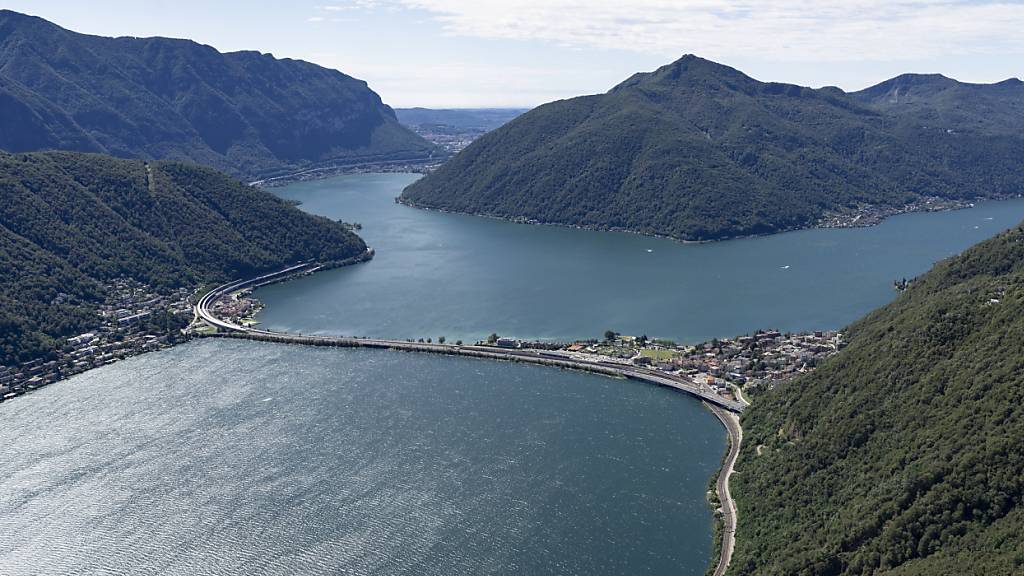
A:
[489,53]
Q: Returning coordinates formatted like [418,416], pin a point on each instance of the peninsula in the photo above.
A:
[100,256]
[697,150]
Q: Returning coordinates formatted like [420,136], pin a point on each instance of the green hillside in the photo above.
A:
[246,113]
[698,151]
[70,223]
[904,453]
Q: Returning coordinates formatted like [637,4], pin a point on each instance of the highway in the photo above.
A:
[231,330]
[725,409]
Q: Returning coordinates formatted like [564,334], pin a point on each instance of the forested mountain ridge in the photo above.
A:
[699,151]
[70,223]
[904,453]
[245,113]
[923,99]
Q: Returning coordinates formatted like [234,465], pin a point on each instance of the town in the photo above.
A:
[134,318]
[752,363]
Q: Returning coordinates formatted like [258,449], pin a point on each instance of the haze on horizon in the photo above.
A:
[487,53]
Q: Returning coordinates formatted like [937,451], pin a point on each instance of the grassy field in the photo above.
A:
[659,354]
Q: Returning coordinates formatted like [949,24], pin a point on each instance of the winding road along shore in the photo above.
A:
[731,421]
[726,410]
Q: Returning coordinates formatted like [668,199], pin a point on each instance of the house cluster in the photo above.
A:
[451,139]
[125,327]
[758,360]
[239,308]
[870,214]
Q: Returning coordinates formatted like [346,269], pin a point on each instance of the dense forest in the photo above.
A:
[903,453]
[698,151]
[246,113]
[70,223]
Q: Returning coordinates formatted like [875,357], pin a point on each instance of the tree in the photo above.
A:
[492,338]
[440,339]
[610,335]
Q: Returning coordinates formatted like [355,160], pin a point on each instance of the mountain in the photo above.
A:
[699,151]
[482,119]
[72,223]
[943,102]
[245,113]
[904,453]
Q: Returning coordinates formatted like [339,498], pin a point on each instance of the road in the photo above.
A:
[203,310]
[731,421]
[725,409]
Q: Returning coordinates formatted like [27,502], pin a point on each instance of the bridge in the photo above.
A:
[228,329]
[726,410]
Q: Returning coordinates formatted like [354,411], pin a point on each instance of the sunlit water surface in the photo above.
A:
[225,457]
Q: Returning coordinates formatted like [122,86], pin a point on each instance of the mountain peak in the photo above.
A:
[10,20]
[93,93]
[906,86]
[690,69]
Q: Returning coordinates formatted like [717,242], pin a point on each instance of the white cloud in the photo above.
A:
[795,30]
[457,83]
[350,5]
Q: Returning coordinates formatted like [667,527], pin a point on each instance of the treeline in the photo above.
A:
[904,453]
[71,223]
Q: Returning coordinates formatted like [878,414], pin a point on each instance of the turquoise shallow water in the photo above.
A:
[465,277]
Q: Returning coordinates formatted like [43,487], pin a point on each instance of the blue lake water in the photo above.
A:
[239,458]
[464,277]
[231,458]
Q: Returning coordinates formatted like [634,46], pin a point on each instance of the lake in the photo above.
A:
[465,277]
[231,457]
[238,458]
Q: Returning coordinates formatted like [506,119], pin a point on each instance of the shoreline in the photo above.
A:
[729,517]
[167,340]
[828,221]
[727,413]
[401,166]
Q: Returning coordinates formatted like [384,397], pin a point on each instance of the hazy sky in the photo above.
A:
[465,53]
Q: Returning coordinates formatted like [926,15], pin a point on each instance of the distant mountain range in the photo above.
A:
[71,223]
[904,453]
[245,113]
[482,119]
[699,151]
